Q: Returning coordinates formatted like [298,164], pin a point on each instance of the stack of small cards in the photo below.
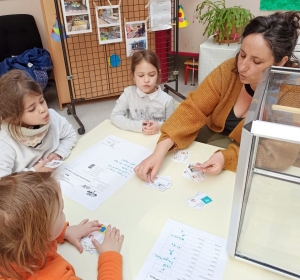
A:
[199,200]
[193,174]
[98,235]
[54,163]
[161,183]
[181,156]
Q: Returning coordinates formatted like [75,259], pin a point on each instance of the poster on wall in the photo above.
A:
[136,37]
[273,5]
[109,24]
[77,16]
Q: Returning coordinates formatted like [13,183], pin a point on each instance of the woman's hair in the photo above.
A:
[29,202]
[14,85]
[280,30]
[150,57]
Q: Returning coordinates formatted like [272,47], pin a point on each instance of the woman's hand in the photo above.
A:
[112,241]
[74,233]
[213,166]
[150,127]
[150,166]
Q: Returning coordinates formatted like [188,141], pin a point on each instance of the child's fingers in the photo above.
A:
[121,239]
[117,234]
[96,243]
[113,232]
[84,221]
[108,231]
[78,246]
[94,223]
[94,227]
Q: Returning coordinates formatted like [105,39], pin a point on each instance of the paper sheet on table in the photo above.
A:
[160,15]
[99,171]
[183,252]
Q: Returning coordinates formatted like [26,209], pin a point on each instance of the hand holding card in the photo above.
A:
[54,163]
[161,183]
[98,235]
[193,174]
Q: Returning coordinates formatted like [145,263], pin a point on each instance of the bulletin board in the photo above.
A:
[90,65]
[103,70]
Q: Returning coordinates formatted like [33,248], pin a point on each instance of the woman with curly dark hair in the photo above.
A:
[217,108]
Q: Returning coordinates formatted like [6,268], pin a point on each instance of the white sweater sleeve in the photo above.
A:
[67,136]
[119,115]
[170,108]
[8,157]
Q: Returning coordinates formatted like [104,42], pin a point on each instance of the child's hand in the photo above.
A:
[39,167]
[112,241]
[74,233]
[53,156]
[150,128]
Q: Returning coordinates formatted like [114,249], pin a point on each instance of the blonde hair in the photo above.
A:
[14,85]
[29,202]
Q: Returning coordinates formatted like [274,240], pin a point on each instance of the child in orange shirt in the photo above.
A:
[32,222]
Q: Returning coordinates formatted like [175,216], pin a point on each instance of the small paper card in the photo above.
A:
[98,235]
[181,156]
[54,163]
[161,183]
[199,200]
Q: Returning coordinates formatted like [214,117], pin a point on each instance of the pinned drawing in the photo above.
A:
[136,36]
[77,16]
[109,24]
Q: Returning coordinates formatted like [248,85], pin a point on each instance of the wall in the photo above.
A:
[32,7]
[191,37]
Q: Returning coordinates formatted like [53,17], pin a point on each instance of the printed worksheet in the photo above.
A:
[185,253]
[160,15]
[99,171]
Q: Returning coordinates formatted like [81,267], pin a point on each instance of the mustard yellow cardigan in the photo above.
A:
[209,104]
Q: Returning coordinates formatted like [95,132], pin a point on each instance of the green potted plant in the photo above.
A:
[226,24]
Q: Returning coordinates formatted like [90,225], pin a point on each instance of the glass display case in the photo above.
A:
[265,219]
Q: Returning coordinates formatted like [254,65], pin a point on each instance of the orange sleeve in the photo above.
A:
[230,155]
[61,237]
[110,266]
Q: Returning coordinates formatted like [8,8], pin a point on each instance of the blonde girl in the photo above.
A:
[33,222]
[143,107]
[31,134]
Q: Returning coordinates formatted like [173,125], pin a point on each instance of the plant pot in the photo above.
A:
[225,41]
[234,36]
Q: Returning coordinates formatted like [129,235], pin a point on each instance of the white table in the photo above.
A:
[212,55]
[141,212]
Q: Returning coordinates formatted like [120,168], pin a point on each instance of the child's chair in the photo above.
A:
[190,65]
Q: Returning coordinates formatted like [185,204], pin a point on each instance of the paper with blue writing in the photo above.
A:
[94,175]
[185,253]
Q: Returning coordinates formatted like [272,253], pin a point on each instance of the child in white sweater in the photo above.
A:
[144,107]
[31,135]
